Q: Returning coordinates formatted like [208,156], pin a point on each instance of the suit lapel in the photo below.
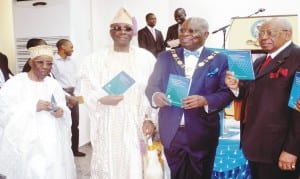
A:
[275,63]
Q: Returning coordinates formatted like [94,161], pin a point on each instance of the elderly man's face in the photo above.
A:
[41,66]
[191,37]
[121,34]
[272,36]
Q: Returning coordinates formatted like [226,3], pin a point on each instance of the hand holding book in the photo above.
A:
[295,93]
[298,105]
[119,84]
[239,62]
[178,88]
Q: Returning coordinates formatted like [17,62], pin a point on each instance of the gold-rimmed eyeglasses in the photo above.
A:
[270,33]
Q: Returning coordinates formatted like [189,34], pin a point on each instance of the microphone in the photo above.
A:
[258,11]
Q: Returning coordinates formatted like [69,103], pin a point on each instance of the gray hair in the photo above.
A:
[282,23]
[198,24]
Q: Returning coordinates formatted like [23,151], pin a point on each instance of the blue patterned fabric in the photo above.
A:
[230,162]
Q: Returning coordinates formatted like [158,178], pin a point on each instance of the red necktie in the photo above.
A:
[265,63]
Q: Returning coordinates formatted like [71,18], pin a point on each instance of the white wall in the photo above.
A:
[217,12]
[7,44]
[50,20]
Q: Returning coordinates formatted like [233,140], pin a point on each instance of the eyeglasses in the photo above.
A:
[190,31]
[119,28]
[42,63]
[270,33]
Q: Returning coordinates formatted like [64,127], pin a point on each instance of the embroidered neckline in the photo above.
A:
[199,65]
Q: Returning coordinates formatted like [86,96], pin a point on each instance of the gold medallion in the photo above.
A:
[179,62]
[210,57]
[201,64]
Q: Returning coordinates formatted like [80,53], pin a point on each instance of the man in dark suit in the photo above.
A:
[150,38]
[4,69]
[270,129]
[172,40]
[190,133]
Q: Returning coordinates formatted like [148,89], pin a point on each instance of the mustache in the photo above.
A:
[197,35]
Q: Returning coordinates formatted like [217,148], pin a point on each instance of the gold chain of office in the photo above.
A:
[199,65]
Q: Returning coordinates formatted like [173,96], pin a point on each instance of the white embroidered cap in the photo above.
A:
[40,50]
[122,16]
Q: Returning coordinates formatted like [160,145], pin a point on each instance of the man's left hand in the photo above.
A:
[287,161]
[72,101]
[298,105]
[58,112]
[194,101]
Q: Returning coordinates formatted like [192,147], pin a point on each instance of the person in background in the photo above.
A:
[190,133]
[150,38]
[117,120]
[65,72]
[5,72]
[270,130]
[172,40]
[32,43]
[36,122]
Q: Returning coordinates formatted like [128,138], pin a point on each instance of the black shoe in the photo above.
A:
[78,154]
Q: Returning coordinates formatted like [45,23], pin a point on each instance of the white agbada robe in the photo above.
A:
[116,130]
[34,145]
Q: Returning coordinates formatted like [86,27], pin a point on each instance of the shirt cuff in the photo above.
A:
[152,100]
[206,108]
[235,92]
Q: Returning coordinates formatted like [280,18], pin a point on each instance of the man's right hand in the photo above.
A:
[43,106]
[298,105]
[161,100]
[231,81]
[71,101]
[111,99]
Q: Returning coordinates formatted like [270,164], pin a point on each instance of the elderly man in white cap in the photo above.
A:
[35,123]
[117,119]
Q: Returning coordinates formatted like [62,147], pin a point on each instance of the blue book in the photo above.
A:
[177,88]
[54,104]
[119,84]
[295,91]
[239,62]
